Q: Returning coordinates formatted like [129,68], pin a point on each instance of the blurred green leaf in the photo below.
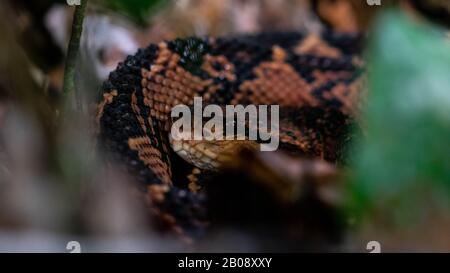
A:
[404,159]
[138,10]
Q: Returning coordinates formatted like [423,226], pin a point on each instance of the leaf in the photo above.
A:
[404,160]
[137,10]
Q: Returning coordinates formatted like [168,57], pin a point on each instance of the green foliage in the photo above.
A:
[403,161]
[137,10]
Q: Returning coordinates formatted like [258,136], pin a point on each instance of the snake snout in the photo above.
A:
[209,154]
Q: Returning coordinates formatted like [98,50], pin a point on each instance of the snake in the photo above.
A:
[316,79]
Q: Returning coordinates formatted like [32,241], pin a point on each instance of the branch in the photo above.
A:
[72,52]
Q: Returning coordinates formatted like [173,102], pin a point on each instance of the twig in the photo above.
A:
[72,52]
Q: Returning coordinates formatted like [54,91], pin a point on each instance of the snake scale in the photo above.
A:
[316,78]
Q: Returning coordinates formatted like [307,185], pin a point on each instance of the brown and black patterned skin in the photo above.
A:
[315,80]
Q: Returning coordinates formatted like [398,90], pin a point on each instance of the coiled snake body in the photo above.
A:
[315,79]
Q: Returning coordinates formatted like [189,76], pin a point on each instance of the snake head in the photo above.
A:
[210,154]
